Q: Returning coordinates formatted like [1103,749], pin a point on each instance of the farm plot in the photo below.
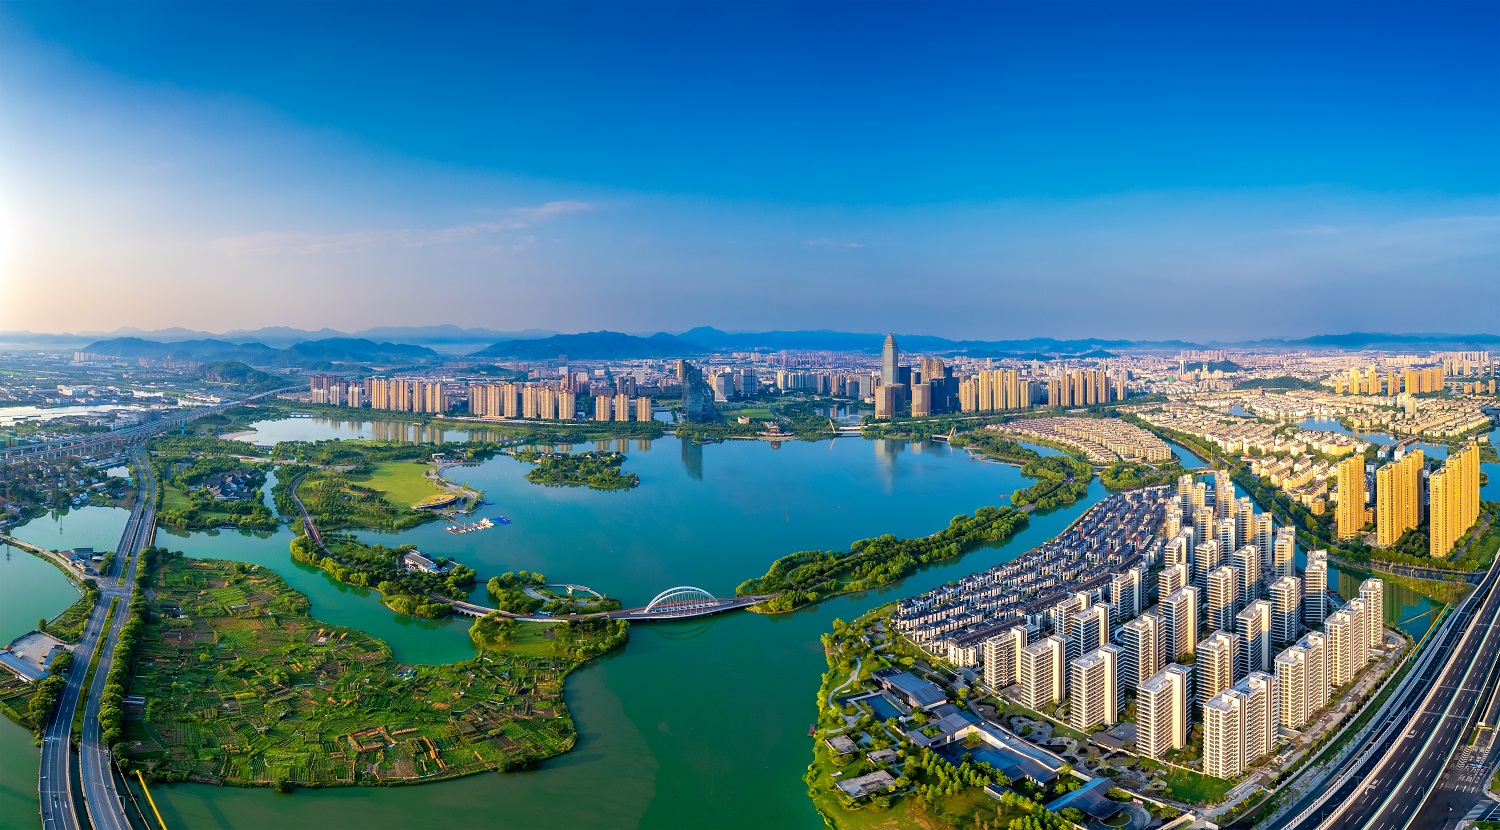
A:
[243,687]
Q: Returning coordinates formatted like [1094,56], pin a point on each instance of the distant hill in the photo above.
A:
[594,345]
[242,377]
[308,354]
[352,350]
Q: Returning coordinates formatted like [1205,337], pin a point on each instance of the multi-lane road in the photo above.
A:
[84,445]
[1387,781]
[101,797]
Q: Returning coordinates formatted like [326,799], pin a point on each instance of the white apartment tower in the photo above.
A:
[1224,734]
[1002,658]
[1093,694]
[1315,593]
[1161,707]
[1141,641]
[1041,674]
[1217,656]
[1223,597]
[1253,625]
[1286,608]
[1292,667]
[1171,578]
[1284,553]
[1372,591]
[1180,613]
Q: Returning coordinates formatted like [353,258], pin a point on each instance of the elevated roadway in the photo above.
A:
[1384,782]
[86,445]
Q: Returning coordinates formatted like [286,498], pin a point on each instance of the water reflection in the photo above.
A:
[692,459]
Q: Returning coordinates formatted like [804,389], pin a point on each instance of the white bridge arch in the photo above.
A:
[681,598]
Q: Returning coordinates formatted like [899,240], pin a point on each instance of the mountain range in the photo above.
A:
[281,346]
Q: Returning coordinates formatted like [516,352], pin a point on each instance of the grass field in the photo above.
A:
[402,482]
[243,687]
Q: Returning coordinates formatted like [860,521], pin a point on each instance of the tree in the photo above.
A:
[493,631]
[41,624]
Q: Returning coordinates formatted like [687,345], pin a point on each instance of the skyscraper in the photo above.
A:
[1372,591]
[1284,553]
[1286,609]
[1042,673]
[1223,596]
[889,355]
[1292,684]
[1179,612]
[1315,592]
[1351,507]
[1093,696]
[1253,625]
[1218,656]
[1002,658]
[1453,499]
[1141,655]
[1398,497]
[1161,711]
[1224,734]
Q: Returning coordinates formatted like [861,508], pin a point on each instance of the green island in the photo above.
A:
[595,470]
[526,593]
[206,484]
[243,687]
[807,577]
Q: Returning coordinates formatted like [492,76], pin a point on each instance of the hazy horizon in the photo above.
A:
[1203,172]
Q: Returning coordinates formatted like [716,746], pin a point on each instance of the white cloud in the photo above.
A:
[292,242]
[829,243]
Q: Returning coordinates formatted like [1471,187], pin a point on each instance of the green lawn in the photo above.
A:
[175,498]
[402,482]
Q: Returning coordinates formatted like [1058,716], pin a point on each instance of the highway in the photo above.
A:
[1385,783]
[55,788]
[81,445]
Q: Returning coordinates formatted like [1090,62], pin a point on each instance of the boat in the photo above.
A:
[502,520]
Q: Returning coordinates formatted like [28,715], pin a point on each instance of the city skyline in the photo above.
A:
[537,167]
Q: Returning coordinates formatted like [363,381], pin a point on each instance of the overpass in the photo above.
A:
[113,442]
[680,603]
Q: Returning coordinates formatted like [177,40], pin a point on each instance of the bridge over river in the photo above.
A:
[680,603]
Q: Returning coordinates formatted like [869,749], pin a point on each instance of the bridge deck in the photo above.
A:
[704,609]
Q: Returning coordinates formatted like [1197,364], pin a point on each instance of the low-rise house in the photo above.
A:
[878,781]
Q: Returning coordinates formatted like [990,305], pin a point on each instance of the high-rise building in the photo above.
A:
[1265,541]
[1002,658]
[1217,655]
[1224,534]
[887,399]
[1161,707]
[1224,734]
[1372,591]
[1284,554]
[1179,612]
[921,400]
[1223,498]
[1453,499]
[1253,625]
[1315,592]
[1346,637]
[889,355]
[643,409]
[1206,557]
[1262,714]
[1244,523]
[1398,497]
[1223,598]
[622,407]
[1292,667]
[1065,622]
[1286,609]
[1170,579]
[1351,508]
[1092,627]
[1125,590]
[1093,695]
[1316,645]
[1141,655]
[602,407]
[1246,564]
[1042,673]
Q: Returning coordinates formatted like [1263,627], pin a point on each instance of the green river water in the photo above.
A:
[692,724]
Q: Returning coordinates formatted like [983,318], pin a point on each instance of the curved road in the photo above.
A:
[101,797]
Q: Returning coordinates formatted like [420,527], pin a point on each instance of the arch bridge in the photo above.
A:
[678,603]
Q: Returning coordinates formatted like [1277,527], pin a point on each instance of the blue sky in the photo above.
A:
[1193,169]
